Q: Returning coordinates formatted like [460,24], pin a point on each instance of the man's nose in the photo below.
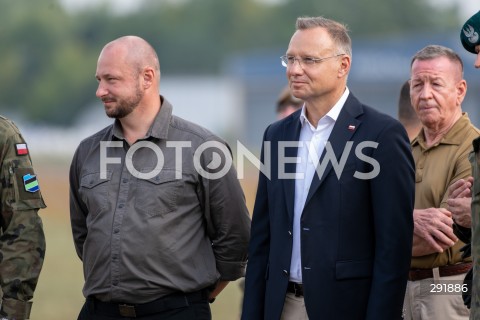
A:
[101,91]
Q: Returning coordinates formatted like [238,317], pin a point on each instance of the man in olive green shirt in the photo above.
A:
[22,241]
[441,149]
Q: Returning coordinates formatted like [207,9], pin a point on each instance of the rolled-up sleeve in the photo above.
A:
[78,212]
[227,218]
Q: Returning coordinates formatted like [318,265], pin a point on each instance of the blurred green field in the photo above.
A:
[59,291]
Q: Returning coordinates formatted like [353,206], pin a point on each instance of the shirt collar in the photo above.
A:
[332,114]
[453,136]
[159,128]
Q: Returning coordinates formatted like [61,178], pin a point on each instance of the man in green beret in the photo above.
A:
[470,38]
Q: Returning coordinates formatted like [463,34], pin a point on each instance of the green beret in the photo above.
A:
[470,33]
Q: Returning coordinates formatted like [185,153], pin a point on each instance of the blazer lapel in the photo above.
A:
[344,128]
[291,132]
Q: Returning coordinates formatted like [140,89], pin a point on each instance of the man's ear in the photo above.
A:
[461,91]
[148,77]
[345,64]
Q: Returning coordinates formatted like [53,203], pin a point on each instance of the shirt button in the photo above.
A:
[115,282]
[114,257]
[120,205]
[116,231]
[125,180]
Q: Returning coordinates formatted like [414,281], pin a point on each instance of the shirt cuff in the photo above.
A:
[231,271]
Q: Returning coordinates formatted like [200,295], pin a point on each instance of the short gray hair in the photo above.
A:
[436,51]
[337,31]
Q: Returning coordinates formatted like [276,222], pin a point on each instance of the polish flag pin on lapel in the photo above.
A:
[351,127]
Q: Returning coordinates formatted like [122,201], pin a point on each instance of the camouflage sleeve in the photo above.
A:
[475,297]
[22,241]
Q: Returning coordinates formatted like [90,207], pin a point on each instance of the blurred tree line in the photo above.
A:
[48,55]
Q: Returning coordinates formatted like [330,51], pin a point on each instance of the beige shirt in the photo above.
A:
[436,168]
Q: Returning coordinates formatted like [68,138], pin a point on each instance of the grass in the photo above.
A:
[59,291]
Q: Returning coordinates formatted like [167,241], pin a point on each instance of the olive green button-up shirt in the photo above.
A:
[147,221]
[436,168]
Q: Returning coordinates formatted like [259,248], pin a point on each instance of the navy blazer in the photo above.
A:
[356,233]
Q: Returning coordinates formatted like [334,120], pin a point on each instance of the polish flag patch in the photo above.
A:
[21,149]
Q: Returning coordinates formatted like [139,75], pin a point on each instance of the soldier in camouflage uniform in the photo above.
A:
[22,241]
[470,38]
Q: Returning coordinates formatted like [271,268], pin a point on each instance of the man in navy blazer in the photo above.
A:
[332,225]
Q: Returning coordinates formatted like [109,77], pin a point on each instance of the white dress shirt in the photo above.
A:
[312,142]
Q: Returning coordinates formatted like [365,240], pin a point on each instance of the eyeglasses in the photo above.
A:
[288,61]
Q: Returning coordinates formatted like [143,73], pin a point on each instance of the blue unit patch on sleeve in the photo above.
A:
[30,182]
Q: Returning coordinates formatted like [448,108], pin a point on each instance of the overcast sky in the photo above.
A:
[467,7]
[119,6]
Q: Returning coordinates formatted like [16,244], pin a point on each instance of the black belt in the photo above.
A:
[296,288]
[173,301]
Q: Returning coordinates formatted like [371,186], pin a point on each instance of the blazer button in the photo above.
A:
[289,232]
[285,272]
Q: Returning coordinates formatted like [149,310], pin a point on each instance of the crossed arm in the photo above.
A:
[433,227]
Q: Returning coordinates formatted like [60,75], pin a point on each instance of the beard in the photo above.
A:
[124,106]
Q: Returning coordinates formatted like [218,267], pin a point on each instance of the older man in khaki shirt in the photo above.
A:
[441,149]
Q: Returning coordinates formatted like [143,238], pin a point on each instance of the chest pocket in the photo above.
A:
[158,195]
[94,192]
